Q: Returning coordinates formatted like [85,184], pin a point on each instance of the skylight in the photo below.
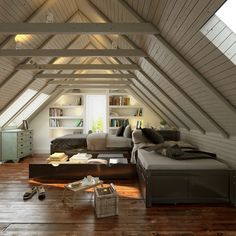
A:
[220,29]
[29,110]
[16,106]
[227,14]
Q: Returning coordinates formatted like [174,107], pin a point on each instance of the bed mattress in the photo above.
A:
[154,161]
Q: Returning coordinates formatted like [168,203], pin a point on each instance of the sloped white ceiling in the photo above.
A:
[189,80]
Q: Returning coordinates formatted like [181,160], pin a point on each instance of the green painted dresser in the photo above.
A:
[16,144]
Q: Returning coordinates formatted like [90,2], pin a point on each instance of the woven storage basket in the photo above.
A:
[106,201]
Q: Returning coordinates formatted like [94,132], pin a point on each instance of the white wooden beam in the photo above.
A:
[78,67]
[79,82]
[84,76]
[72,53]
[92,86]
[77,28]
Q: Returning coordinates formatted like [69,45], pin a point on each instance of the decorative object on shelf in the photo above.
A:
[25,125]
[139,112]
[138,124]
[163,125]
[79,123]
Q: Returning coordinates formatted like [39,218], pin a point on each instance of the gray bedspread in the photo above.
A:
[69,141]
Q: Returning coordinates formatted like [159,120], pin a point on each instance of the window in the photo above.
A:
[221,28]
[227,14]
[29,110]
[16,106]
[96,113]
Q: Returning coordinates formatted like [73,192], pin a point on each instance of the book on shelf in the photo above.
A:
[54,123]
[55,112]
[119,122]
[119,101]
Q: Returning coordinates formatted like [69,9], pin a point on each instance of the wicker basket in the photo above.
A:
[106,201]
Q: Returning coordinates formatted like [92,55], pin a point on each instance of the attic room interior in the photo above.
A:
[117,117]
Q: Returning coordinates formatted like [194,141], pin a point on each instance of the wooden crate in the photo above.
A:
[106,201]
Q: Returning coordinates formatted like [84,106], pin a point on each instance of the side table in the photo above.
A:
[71,191]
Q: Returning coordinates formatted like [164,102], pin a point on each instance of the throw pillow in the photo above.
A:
[127,132]
[152,135]
[120,131]
[138,137]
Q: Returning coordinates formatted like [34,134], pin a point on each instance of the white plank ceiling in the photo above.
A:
[190,82]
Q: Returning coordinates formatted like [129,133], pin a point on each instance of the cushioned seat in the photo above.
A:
[153,161]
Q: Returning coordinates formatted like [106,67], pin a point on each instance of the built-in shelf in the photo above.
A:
[67,113]
[123,110]
[66,117]
[81,128]
[125,117]
[124,106]
[69,106]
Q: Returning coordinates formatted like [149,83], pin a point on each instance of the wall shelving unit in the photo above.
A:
[67,113]
[123,109]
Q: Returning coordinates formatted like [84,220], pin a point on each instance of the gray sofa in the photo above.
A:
[165,180]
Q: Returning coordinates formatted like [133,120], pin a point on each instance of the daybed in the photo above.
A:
[166,180]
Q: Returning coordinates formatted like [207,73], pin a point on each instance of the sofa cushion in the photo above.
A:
[153,135]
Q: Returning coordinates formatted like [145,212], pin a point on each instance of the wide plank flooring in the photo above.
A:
[53,217]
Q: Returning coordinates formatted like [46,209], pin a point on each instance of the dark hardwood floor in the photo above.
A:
[52,217]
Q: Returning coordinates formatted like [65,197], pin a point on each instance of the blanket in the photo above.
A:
[96,141]
[103,141]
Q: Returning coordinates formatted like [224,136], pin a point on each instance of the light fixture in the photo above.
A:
[20,39]
[114,45]
[49,18]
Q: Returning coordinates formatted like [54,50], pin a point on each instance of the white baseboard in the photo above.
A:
[41,151]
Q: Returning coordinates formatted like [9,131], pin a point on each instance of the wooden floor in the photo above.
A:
[52,217]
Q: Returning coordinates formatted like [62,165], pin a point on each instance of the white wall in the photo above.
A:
[43,136]
[225,148]
[41,139]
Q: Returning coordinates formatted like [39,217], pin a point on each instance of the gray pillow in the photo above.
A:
[127,132]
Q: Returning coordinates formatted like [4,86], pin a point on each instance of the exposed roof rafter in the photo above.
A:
[79,82]
[77,28]
[72,53]
[78,67]
[84,76]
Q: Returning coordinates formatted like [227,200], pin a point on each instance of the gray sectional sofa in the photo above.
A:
[165,180]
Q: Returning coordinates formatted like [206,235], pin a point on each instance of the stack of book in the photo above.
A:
[80,158]
[57,157]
